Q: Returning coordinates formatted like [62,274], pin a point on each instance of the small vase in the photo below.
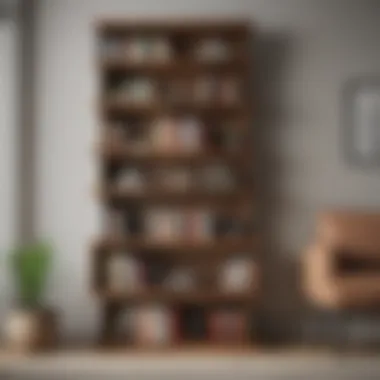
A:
[28,330]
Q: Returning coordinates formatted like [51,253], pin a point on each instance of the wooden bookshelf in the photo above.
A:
[209,62]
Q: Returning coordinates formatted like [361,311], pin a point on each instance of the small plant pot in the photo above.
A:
[28,330]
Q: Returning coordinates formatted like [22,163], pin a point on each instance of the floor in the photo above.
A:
[78,365]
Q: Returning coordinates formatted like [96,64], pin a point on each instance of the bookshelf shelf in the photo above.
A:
[204,297]
[180,197]
[172,68]
[122,153]
[137,109]
[189,248]
[167,88]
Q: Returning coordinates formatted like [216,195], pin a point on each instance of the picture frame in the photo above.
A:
[361,121]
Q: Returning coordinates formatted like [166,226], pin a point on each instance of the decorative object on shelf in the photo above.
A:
[136,50]
[30,326]
[237,274]
[181,280]
[130,180]
[228,326]
[152,325]
[171,225]
[211,50]
[190,135]
[125,274]
[164,136]
[163,224]
[198,225]
[135,91]
[361,121]
[149,49]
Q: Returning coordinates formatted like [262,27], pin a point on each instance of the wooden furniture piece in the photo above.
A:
[341,268]
[176,184]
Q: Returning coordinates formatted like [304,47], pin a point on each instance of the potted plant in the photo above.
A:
[30,325]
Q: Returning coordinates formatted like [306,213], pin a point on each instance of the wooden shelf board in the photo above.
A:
[224,246]
[173,68]
[153,109]
[122,153]
[183,197]
[165,296]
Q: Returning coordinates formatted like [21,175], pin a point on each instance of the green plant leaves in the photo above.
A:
[31,265]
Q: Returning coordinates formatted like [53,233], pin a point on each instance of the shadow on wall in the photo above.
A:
[281,302]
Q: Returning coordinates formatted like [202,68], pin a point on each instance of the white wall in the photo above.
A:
[307,49]
[8,153]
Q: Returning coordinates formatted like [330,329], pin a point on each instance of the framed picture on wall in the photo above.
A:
[361,121]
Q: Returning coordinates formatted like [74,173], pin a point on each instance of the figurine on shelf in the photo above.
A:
[137,90]
[130,180]
[136,49]
[143,91]
[148,49]
[190,135]
[198,225]
[211,50]
[124,273]
[238,274]
[164,136]
[152,325]
[161,224]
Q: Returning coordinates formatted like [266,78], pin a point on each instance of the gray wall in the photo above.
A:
[305,51]
[8,152]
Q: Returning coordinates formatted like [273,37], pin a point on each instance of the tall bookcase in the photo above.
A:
[177,262]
